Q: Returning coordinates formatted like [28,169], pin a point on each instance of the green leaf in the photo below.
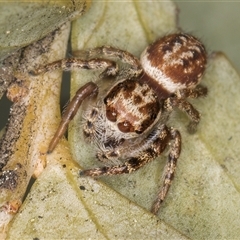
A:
[62,205]
[26,22]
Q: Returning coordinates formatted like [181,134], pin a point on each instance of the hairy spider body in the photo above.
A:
[127,123]
[115,122]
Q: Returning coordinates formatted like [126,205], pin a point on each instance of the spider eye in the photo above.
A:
[111,114]
[125,127]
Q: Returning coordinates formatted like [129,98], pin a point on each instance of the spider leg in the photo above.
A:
[194,114]
[146,151]
[110,67]
[111,52]
[169,170]
[198,91]
[179,101]
[71,110]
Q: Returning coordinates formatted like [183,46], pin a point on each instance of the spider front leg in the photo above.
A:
[151,147]
[88,89]
[110,69]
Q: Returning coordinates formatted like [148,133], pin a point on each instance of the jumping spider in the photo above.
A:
[128,122]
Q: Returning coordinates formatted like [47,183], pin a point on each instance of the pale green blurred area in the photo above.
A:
[216,23]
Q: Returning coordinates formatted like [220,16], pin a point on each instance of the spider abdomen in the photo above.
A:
[174,62]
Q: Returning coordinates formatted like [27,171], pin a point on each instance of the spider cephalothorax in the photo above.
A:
[127,123]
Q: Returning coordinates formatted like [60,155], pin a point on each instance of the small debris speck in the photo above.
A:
[82,188]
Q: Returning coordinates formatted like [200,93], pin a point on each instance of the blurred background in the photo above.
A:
[216,23]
